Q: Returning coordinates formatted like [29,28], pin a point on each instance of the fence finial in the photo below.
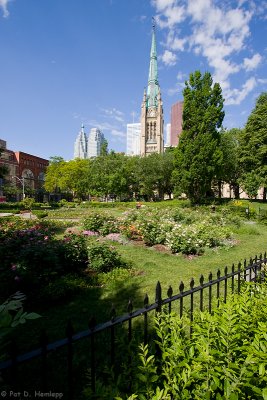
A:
[192,283]
[170,292]
[146,301]
[130,307]
[112,313]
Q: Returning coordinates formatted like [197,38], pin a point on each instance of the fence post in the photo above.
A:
[112,336]
[245,271]
[210,292]
[92,324]
[130,311]
[225,283]
[169,294]
[43,343]
[192,284]
[181,289]
[69,332]
[218,287]
[233,277]
[201,281]
[146,301]
[238,277]
[14,366]
[158,298]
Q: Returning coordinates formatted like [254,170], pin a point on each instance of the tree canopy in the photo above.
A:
[253,144]
[112,174]
[198,157]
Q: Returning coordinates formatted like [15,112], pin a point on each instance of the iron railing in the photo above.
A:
[210,293]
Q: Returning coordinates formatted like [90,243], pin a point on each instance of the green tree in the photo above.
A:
[253,144]
[154,174]
[198,157]
[74,177]
[251,183]
[53,174]
[231,170]
[104,148]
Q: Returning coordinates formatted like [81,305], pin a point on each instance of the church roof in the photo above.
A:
[153,85]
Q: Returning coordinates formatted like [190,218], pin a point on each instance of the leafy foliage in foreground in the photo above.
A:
[225,359]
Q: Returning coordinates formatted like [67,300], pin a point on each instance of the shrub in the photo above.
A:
[73,253]
[104,258]
[32,257]
[225,357]
[100,222]
[40,214]
[179,229]
[27,203]
[63,288]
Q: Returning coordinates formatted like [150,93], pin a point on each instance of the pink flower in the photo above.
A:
[13,267]
[46,238]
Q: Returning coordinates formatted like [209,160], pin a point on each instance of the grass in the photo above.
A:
[149,266]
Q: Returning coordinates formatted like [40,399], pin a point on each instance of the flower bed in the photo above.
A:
[180,230]
[32,257]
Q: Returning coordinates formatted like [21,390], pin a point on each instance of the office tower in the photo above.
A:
[80,145]
[133,139]
[95,140]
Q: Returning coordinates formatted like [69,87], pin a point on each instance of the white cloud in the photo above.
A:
[198,9]
[160,5]
[217,31]
[168,58]
[180,76]
[113,113]
[236,96]
[262,81]
[143,18]
[3,5]
[252,63]
[170,13]
[118,133]
[174,43]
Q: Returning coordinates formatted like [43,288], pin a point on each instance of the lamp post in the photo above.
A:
[23,184]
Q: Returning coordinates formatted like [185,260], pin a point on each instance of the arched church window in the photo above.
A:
[28,176]
[154,131]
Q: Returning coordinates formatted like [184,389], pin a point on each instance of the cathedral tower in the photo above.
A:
[151,109]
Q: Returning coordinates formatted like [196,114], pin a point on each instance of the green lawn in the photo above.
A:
[149,266]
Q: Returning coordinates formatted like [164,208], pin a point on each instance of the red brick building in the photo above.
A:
[24,169]
[176,122]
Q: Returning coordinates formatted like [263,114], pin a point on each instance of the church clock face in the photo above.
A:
[151,113]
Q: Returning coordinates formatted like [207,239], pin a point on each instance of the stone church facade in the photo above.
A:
[152,109]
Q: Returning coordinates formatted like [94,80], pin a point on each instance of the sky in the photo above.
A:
[64,63]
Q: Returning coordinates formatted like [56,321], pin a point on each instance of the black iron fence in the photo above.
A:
[206,295]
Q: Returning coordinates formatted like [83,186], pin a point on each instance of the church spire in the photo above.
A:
[153,85]
[151,140]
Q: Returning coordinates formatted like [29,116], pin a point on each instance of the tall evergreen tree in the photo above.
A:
[198,156]
[253,144]
[231,169]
